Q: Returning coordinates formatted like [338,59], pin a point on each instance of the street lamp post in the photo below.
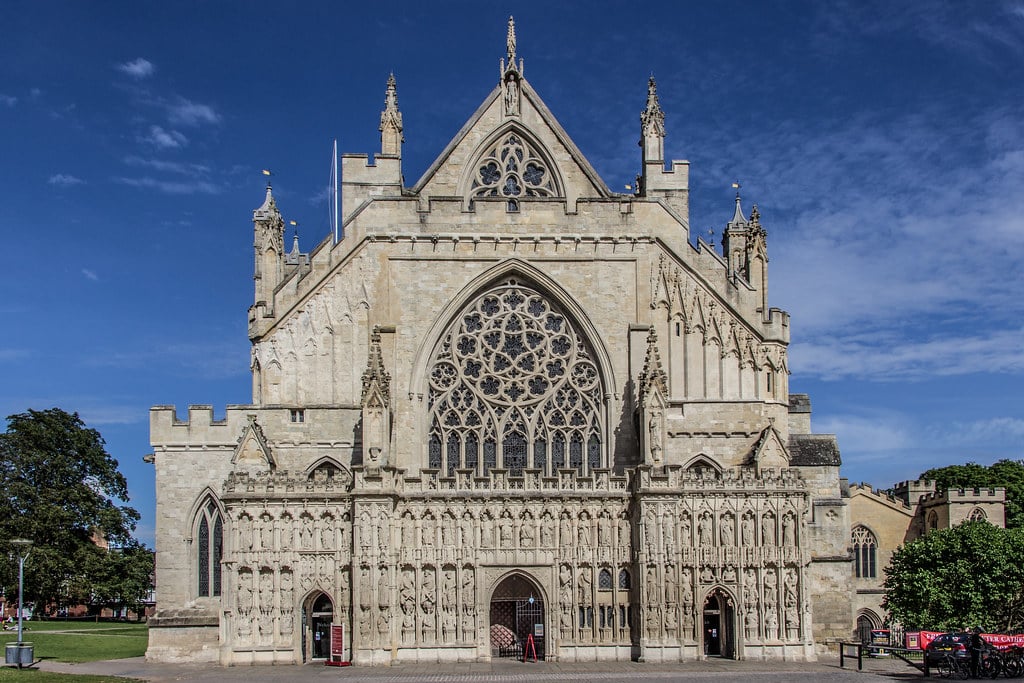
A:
[22,546]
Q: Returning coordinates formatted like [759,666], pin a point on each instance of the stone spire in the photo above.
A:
[510,42]
[376,408]
[652,118]
[511,73]
[652,377]
[734,239]
[653,395]
[391,137]
[652,137]
[376,380]
[268,245]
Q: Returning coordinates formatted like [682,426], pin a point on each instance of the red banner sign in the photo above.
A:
[999,640]
[337,641]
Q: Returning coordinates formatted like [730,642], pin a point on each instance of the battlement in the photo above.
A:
[966,495]
[881,494]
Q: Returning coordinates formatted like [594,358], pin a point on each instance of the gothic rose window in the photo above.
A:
[514,386]
[511,170]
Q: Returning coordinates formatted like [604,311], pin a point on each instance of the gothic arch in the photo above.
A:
[526,576]
[530,147]
[494,418]
[977,515]
[510,268]
[343,471]
[208,530]
[702,461]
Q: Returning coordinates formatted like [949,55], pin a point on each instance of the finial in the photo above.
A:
[737,216]
[391,94]
[652,118]
[510,41]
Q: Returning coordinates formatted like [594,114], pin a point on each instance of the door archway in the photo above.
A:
[319,618]
[516,614]
[719,625]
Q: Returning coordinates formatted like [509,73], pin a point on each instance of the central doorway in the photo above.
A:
[321,616]
[718,628]
[517,612]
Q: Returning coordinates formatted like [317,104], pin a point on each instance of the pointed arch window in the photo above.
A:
[514,376]
[511,169]
[864,548]
[209,549]
[977,515]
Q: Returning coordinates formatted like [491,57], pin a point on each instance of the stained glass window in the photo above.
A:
[510,170]
[209,550]
[864,546]
[513,371]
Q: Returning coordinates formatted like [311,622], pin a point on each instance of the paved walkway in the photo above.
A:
[503,671]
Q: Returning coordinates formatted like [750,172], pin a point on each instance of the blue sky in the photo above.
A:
[883,143]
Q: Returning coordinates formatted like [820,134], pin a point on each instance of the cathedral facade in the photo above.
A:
[508,407]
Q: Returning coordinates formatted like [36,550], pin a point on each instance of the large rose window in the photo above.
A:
[511,170]
[514,386]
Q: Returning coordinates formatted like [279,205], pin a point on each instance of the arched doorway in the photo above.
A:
[517,612]
[719,631]
[318,626]
[865,624]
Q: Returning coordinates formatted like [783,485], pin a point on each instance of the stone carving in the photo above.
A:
[327,533]
[505,529]
[585,585]
[771,624]
[448,530]
[487,531]
[685,530]
[245,535]
[266,532]
[584,530]
[624,532]
[688,623]
[565,585]
[287,601]
[751,623]
[466,531]
[408,530]
[653,597]
[770,588]
[788,530]
[747,530]
[383,589]
[246,598]
[604,530]
[547,531]
[729,574]
[727,529]
[667,542]
[768,529]
[565,531]
[704,530]
[365,587]
[686,586]
[526,537]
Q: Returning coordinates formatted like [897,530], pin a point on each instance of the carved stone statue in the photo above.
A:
[327,533]
[704,530]
[565,531]
[584,531]
[466,531]
[768,529]
[653,594]
[547,531]
[526,537]
[747,530]
[565,585]
[505,529]
[727,530]
[685,530]
[365,588]
[788,530]
[585,585]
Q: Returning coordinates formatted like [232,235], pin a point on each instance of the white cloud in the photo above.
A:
[8,100]
[995,429]
[165,139]
[64,180]
[866,435]
[139,68]
[183,112]
[168,166]
[7,355]
[90,274]
[172,187]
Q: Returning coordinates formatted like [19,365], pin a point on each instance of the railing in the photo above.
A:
[858,650]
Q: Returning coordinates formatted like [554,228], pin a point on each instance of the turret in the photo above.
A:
[268,244]
[362,180]
[745,247]
[672,186]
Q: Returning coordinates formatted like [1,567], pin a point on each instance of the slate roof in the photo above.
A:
[810,450]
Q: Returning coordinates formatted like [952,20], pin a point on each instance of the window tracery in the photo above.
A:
[209,549]
[515,380]
[864,547]
[977,515]
[512,169]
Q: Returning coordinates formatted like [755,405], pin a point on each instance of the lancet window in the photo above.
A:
[209,549]
[514,386]
[512,169]
[864,547]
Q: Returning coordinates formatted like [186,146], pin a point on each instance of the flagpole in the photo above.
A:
[334,189]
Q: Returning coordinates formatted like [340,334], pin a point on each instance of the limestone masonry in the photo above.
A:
[509,405]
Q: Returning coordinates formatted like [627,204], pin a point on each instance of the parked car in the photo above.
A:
[957,644]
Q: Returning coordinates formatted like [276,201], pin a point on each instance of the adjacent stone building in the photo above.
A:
[882,521]
[508,403]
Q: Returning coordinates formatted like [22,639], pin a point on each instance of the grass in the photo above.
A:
[82,641]
[8,675]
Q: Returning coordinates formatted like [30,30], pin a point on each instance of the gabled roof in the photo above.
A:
[446,176]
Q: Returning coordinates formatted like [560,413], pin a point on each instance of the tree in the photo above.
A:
[62,490]
[969,575]
[120,578]
[1006,473]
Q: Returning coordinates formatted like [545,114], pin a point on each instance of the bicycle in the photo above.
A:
[956,668]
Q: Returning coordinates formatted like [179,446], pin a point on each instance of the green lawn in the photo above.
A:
[8,675]
[82,641]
